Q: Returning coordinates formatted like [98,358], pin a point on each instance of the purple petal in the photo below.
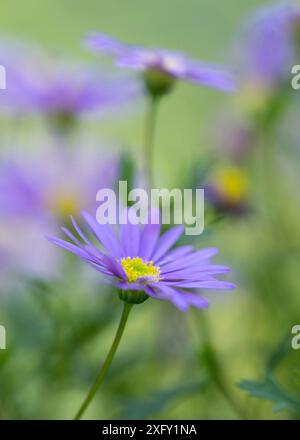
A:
[71,237]
[166,241]
[68,246]
[90,245]
[213,284]
[191,259]
[182,300]
[130,237]
[176,253]
[132,59]
[151,292]
[114,266]
[169,294]
[150,235]
[100,268]
[145,279]
[99,42]
[129,286]
[195,272]
[210,76]
[105,235]
[79,232]
[197,301]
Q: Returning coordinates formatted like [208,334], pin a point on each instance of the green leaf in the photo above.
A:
[279,354]
[270,390]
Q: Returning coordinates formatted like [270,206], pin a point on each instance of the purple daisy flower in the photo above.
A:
[227,190]
[38,192]
[271,42]
[78,90]
[241,135]
[141,264]
[58,87]
[172,65]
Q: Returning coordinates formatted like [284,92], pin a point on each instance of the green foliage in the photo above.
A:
[269,388]
[156,402]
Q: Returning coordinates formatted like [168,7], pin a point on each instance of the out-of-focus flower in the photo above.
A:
[61,89]
[141,265]
[268,48]
[39,192]
[161,67]
[233,136]
[5,267]
[228,190]
[271,44]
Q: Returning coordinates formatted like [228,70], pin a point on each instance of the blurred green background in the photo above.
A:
[170,365]
[203,29]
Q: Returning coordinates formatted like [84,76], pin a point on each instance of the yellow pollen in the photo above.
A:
[136,268]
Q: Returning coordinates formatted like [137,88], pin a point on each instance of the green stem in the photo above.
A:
[150,124]
[267,175]
[214,366]
[103,370]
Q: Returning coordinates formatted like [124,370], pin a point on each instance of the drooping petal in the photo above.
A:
[124,285]
[182,300]
[169,294]
[196,300]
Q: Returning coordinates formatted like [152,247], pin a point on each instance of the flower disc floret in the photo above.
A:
[136,268]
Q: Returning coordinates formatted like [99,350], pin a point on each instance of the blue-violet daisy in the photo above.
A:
[141,264]
[173,65]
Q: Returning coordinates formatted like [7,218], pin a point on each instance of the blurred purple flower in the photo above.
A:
[140,263]
[52,86]
[271,43]
[39,192]
[233,135]
[173,64]
[227,190]
[5,266]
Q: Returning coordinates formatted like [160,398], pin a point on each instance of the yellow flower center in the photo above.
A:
[232,183]
[136,268]
[64,202]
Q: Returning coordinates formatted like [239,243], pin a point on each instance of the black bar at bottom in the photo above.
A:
[101,429]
